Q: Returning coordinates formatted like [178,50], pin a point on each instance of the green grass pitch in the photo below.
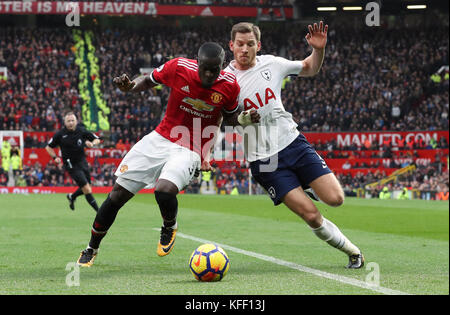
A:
[405,242]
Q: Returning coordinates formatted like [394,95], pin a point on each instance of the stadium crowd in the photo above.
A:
[371,80]
[371,90]
[42,78]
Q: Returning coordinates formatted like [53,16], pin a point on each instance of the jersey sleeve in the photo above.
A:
[288,67]
[233,100]
[90,135]
[165,73]
[54,141]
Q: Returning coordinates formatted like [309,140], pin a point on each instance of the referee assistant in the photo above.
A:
[72,139]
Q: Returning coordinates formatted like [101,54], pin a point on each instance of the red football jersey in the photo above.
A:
[194,113]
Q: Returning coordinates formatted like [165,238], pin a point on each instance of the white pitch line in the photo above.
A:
[319,273]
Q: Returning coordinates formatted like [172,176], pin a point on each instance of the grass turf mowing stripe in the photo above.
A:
[319,273]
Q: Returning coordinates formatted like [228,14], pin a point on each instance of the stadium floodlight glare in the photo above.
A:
[326,8]
[352,8]
[416,6]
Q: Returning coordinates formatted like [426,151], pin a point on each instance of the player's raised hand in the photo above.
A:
[317,35]
[124,83]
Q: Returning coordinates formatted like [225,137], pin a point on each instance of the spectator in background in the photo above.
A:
[385,193]
[220,184]
[401,143]
[3,177]
[346,165]
[404,195]
[367,144]
[6,154]
[120,145]
[16,160]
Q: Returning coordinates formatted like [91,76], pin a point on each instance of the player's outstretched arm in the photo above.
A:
[139,84]
[317,39]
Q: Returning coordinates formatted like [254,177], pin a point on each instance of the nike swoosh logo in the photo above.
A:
[197,263]
[167,249]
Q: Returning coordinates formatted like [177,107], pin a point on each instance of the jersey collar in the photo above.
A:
[232,62]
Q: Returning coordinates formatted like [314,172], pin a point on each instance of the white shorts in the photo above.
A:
[155,157]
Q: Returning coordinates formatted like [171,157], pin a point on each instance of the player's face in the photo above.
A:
[244,48]
[208,70]
[70,121]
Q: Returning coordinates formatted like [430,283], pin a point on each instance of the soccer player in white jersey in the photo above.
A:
[281,159]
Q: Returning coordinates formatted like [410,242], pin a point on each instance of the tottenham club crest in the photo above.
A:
[266,74]
[272,192]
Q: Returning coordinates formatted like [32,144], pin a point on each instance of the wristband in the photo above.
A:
[245,118]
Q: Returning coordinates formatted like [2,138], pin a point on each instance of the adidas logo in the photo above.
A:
[207,12]
[185,88]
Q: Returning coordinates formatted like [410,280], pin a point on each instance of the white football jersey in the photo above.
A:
[261,90]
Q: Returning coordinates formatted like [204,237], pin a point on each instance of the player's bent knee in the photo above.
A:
[336,200]
[120,195]
[333,198]
[339,199]
[86,189]
[166,186]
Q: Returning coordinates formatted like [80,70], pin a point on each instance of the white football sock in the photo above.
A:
[331,234]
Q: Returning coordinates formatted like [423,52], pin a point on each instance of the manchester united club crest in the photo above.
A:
[216,97]
[124,168]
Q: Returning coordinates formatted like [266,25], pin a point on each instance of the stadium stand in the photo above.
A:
[372,80]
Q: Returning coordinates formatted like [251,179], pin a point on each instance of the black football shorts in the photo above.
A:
[79,172]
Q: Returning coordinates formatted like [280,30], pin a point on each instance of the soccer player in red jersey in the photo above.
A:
[167,158]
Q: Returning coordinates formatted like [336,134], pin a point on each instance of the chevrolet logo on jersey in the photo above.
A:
[198,104]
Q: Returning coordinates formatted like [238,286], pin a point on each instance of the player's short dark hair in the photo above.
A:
[245,27]
[211,50]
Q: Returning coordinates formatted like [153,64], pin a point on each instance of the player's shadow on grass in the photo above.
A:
[236,274]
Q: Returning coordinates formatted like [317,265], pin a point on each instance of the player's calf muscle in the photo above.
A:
[301,205]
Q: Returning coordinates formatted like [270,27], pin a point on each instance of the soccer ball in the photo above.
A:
[209,262]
